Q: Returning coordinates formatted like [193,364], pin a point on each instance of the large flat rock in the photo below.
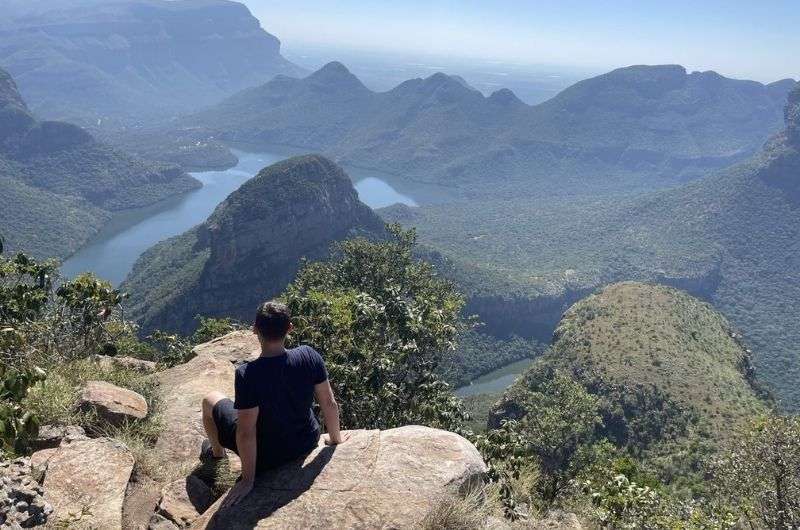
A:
[85,482]
[377,479]
[183,387]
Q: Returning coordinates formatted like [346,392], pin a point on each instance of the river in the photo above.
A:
[113,251]
[495,381]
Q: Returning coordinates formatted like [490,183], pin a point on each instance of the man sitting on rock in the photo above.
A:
[271,421]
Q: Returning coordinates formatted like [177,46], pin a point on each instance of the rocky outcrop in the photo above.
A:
[377,479]
[51,436]
[183,500]
[128,363]
[22,503]
[183,387]
[85,482]
[113,404]
[251,247]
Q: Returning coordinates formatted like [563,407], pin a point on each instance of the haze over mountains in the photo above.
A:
[59,185]
[634,128]
[731,238]
[123,62]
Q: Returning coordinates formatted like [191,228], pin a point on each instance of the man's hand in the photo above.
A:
[238,492]
[336,441]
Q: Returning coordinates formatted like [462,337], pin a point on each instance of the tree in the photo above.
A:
[551,432]
[760,475]
[384,321]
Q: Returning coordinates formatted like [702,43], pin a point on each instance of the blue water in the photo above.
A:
[495,381]
[112,252]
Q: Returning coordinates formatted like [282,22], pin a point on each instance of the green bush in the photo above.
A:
[384,322]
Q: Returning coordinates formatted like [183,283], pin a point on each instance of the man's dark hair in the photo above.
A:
[273,320]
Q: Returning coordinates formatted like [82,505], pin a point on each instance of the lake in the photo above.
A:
[495,381]
[113,251]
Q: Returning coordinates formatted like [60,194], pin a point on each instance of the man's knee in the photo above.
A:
[210,400]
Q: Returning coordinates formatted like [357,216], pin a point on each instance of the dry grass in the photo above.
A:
[463,512]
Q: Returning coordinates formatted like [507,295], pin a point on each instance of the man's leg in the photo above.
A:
[208,422]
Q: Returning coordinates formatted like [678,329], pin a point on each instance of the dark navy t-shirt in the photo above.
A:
[283,390]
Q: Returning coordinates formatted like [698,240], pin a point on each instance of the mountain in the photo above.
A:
[59,185]
[127,62]
[669,371]
[732,238]
[635,128]
[250,248]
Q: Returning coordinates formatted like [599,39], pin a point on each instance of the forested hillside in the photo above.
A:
[250,248]
[668,371]
[731,238]
[59,184]
[636,128]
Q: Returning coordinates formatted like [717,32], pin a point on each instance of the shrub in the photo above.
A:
[384,322]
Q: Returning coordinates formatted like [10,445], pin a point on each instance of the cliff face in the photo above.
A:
[134,60]
[250,248]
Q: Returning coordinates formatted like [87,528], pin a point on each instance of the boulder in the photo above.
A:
[85,482]
[128,363]
[183,387]
[51,436]
[184,500]
[114,404]
[377,479]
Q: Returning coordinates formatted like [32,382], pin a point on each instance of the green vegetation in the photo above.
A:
[478,354]
[671,380]
[759,476]
[636,128]
[59,185]
[385,322]
[250,248]
[639,416]
[729,238]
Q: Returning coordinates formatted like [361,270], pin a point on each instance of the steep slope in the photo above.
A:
[250,248]
[635,128]
[130,61]
[668,369]
[731,238]
[58,184]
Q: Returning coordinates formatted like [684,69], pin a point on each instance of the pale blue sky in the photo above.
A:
[757,39]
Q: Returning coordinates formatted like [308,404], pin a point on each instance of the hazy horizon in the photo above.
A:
[573,34]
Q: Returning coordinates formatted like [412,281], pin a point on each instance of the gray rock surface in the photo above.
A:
[22,502]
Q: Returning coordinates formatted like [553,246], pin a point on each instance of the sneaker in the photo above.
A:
[207,454]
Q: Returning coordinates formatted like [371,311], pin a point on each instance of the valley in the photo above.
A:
[113,251]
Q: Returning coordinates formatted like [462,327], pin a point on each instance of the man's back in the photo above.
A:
[282,387]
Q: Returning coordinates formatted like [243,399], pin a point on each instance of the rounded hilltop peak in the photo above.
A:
[299,186]
[505,97]
[335,74]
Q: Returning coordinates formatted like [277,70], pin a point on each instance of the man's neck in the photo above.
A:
[272,350]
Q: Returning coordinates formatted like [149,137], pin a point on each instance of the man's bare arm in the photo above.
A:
[330,412]
[246,444]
